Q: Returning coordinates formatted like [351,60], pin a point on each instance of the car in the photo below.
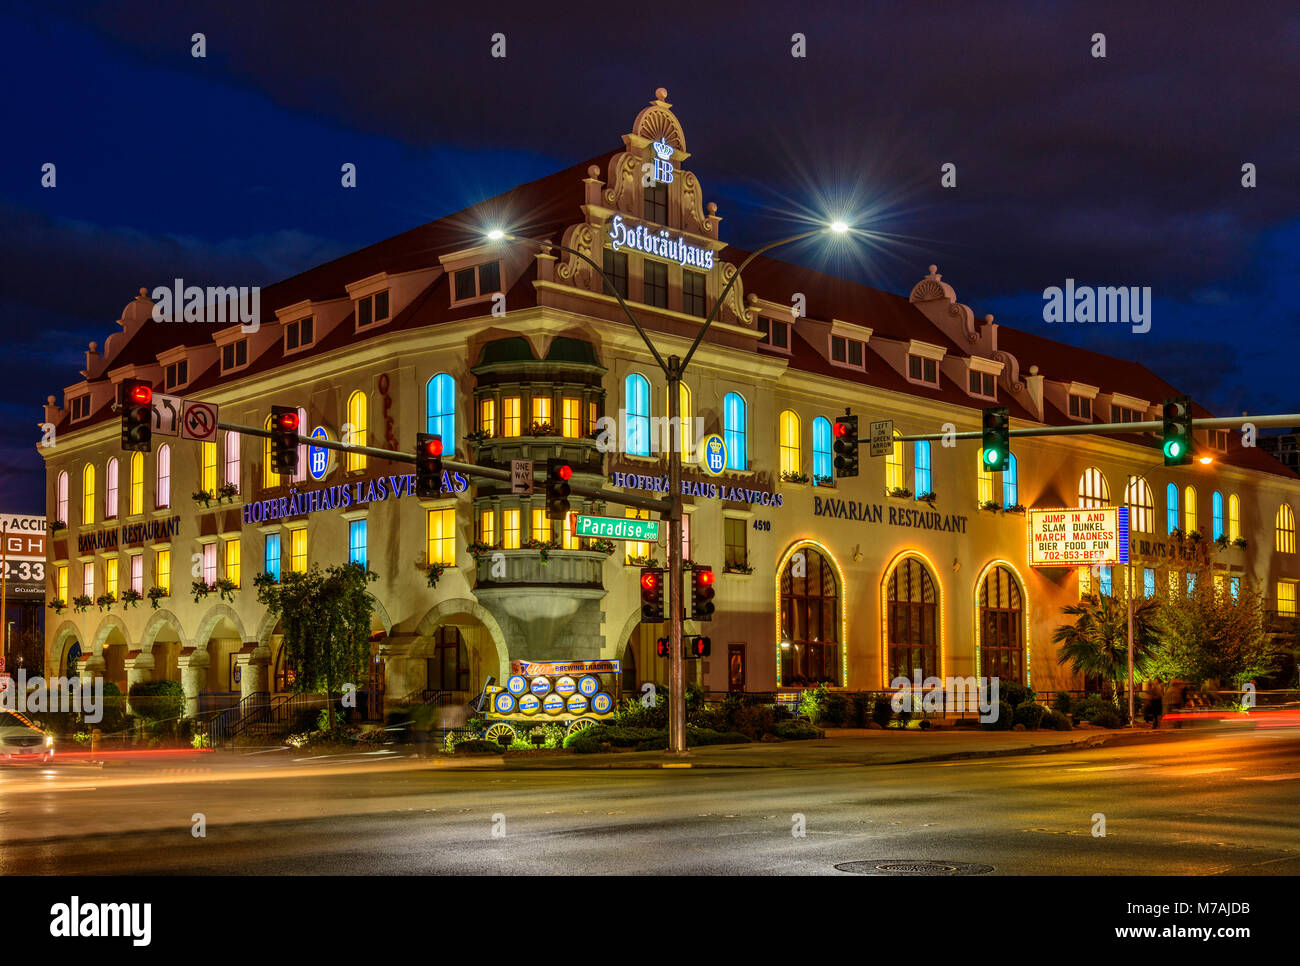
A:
[20,739]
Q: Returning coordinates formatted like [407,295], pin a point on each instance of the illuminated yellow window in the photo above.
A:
[541,525]
[487,527]
[642,548]
[441,530]
[568,540]
[1234,517]
[571,418]
[510,529]
[137,483]
[110,576]
[510,416]
[487,416]
[789,442]
[1284,526]
[358,417]
[298,549]
[1286,598]
[1085,582]
[1189,509]
[591,416]
[232,561]
[687,430]
[895,473]
[270,477]
[1220,585]
[209,481]
[88,494]
[984,481]
[1175,584]
[61,582]
[163,571]
[541,409]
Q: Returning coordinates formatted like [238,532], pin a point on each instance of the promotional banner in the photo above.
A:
[1070,537]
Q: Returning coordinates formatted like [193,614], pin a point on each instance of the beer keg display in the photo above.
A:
[562,691]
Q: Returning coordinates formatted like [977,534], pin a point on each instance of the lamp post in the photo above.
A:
[673,369]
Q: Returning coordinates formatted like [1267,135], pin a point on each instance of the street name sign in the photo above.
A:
[882,437]
[617,528]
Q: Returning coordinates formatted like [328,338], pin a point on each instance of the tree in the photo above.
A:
[325,618]
[1211,635]
[1097,642]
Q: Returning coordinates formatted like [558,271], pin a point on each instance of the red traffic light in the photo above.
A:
[289,421]
[141,394]
[433,447]
[705,577]
[564,471]
[649,581]
[839,429]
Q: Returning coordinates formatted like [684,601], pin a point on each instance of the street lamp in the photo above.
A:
[673,369]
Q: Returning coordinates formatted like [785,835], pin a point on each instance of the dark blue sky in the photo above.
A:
[225,170]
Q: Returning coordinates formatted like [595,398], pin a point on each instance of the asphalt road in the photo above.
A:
[1201,804]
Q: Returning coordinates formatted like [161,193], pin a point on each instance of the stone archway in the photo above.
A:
[111,645]
[65,637]
[409,659]
[161,647]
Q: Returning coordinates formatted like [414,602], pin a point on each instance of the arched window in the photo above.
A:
[636,393]
[232,459]
[1002,626]
[1010,482]
[163,487]
[733,424]
[1234,517]
[110,489]
[912,604]
[61,499]
[823,460]
[895,473]
[1216,515]
[810,620]
[921,468]
[790,460]
[137,483]
[358,413]
[270,477]
[208,475]
[1285,528]
[984,482]
[1141,505]
[1093,489]
[440,409]
[1189,509]
[88,494]
[1171,507]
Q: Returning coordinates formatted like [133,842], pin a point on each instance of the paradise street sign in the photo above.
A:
[617,528]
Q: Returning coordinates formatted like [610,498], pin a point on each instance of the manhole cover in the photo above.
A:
[914,867]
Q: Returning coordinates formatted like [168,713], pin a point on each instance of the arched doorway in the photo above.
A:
[912,620]
[447,668]
[72,659]
[1001,625]
[810,619]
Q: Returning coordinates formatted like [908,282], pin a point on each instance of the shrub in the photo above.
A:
[835,710]
[812,703]
[1015,694]
[634,714]
[159,703]
[705,736]
[1061,702]
[1030,714]
[1109,718]
[1005,720]
[1056,721]
[754,721]
[477,746]
[797,731]
[881,712]
[1093,706]
[860,710]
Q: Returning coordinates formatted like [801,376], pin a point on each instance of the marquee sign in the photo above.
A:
[1078,537]
[712,491]
[24,554]
[344,496]
[660,244]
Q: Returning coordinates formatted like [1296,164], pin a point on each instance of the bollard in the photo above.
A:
[95,737]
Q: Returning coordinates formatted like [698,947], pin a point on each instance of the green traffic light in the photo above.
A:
[992,456]
[1173,448]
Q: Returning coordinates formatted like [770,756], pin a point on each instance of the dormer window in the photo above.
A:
[177,374]
[372,308]
[299,334]
[477,281]
[850,352]
[983,384]
[80,407]
[1080,407]
[234,355]
[1122,414]
[775,333]
[1219,439]
[921,369]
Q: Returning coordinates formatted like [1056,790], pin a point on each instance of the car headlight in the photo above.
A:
[49,741]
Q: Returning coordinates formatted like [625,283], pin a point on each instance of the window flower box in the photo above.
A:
[81,603]
[788,476]
[57,605]
[131,597]
[106,600]
[926,498]
[154,595]
[899,492]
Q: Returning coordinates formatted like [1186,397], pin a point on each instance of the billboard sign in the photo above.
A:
[1072,537]
[23,539]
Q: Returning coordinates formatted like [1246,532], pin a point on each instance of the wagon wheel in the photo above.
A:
[579,724]
[500,730]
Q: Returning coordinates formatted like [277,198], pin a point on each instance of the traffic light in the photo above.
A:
[137,416]
[1178,430]
[558,473]
[845,431]
[652,595]
[702,594]
[662,647]
[284,440]
[996,447]
[698,647]
[428,466]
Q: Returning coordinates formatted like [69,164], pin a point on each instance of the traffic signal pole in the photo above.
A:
[677,644]
[1101,429]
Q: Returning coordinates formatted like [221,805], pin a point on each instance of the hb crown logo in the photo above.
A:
[663,167]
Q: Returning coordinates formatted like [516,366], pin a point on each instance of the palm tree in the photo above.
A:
[1097,642]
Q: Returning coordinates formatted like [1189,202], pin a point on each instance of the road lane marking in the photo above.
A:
[1270,778]
[1187,771]
[1107,767]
